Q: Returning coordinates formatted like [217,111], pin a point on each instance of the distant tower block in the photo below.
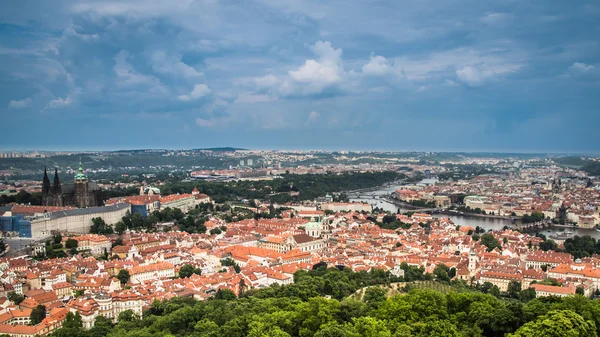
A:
[242,162]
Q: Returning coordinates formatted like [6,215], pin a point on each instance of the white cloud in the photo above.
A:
[172,65]
[68,99]
[313,116]
[127,76]
[60,102]
[251,98]
[423,88]
[494,18]
[199,91]
[477,75]
[472,64]
[313,77]
[471,76]
[326,70]
[211,122]
[450,83]
[24,103]
[378,65]
[580,67]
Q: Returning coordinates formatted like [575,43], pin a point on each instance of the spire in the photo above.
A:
[56,187]
[80,176]
[46,182]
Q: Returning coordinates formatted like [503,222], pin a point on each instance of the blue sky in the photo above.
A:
[391,75]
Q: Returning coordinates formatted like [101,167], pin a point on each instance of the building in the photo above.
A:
[142,204]
[75,220]
[95,244]
[346,207]
[548,290]
[82,193]
[152,271]
[184,202]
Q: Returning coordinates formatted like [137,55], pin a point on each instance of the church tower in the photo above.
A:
[57,190]
[472,260]
[45,184]
[45,187]
[82,193]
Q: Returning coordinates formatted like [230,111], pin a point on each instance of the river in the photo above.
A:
[486,223]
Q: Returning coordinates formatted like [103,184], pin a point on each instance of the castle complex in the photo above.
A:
[81,193]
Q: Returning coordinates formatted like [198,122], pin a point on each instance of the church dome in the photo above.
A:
[80,176]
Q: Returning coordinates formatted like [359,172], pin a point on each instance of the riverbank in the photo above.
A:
[446,212]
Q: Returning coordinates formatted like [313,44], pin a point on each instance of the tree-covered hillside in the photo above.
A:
[317,304]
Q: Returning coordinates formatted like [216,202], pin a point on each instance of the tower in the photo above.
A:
[472,260]
[82,193]
[56,189]
[45,186]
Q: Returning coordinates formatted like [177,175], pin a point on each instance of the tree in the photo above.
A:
[73,321]
[37,315]
[225,294]
[441,273]
[15,298]
[489,241]
[79,293]
[375,295]
[558,323]
[57,238]
[187,270]
[120,227]
[580,291]
[527,294]
[102,327]
[100,227]
[118,242]
[71,243]
[123,276]
[128,316]
[514,289]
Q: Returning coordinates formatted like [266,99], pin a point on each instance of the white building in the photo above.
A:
[76,220]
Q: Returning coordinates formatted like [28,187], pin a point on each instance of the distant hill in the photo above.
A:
[221,149]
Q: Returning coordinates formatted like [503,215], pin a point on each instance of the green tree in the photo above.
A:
[375,296]
[71,243]
[559,323]
[514,289]
[128,316]
[100,227]
[187,270]
[438,328]
[120,227]
[57,238]
[37,315]
[123,276]
[441,273]
[489,241]
[225,294]
[15,298]
[102,327]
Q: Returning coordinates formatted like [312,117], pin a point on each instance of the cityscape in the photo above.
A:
[299,168]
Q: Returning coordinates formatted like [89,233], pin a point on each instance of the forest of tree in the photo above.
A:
[319,304]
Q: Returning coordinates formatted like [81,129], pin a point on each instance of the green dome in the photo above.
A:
[312,225]
[80,176]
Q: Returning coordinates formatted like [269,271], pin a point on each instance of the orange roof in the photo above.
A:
[151,267]
[553,289]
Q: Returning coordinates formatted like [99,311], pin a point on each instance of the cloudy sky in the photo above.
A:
[470,75]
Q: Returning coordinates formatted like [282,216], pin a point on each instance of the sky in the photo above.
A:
[425,75]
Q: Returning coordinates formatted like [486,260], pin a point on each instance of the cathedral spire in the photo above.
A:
[45,183]
[56,186]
